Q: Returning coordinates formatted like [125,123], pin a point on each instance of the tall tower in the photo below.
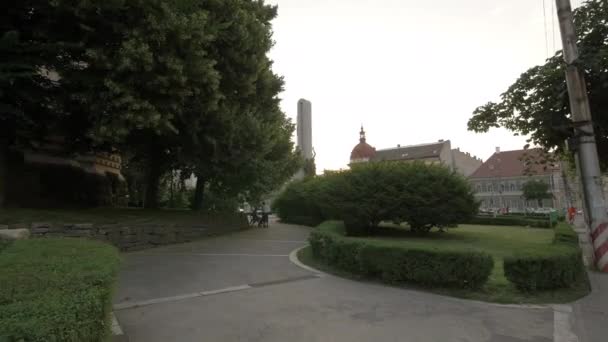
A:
[305,128]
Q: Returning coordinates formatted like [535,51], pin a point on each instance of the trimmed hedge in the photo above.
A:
[396,264]
[56,290]
[560,266]
[510,221]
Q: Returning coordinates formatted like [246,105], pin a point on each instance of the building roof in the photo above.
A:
[423,151]
[515,164]
[362,150]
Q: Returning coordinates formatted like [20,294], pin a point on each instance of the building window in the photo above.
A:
[502,188]
[483,187]
[512,187]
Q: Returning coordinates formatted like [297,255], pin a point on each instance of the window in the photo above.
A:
[483,187]
[512,187]
[478,188]
[502,188]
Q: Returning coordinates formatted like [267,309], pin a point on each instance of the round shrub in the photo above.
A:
[305,202]
[423,195]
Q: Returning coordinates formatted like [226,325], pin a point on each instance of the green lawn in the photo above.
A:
[499,241]
[100,215]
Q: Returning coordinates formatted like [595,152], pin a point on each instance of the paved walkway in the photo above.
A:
[591,312]
[242,287]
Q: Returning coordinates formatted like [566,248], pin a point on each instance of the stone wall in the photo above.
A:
[130,237]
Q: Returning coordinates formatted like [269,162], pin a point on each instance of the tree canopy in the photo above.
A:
[536,190]
[537,103]
[173,84]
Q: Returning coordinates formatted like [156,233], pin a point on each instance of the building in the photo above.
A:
[304,129]
[499,181]
[439,152]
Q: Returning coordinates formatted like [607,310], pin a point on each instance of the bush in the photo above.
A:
[551,270]
[397,264]
[305,202]
[560,266]
[565,234]
[422,195]
[510,221]
[56,290]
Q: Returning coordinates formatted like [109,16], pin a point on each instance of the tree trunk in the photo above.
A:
[199,193]
[153,176]
[3,173]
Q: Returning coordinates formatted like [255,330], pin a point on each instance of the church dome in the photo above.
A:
[363,151]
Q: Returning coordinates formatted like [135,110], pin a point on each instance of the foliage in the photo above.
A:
[178,85]
[304,202]
[565,234]
[424,196]
[559,266]
[397,264]
[536,190]
[310,168]
[51,185]
[537,103]
[511,221]
[57,290]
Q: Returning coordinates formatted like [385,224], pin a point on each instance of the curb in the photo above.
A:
[293,257]
[118,334]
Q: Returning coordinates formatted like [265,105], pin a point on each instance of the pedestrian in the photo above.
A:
[265,214]
[571,214]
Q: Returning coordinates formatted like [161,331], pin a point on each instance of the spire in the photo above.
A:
[362,135]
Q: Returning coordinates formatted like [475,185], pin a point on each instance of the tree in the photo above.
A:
[537,103]
[246,148]
[101,73]
[536,190]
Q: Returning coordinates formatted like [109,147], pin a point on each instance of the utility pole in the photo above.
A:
[586,151]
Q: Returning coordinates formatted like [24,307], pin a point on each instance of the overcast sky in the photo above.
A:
[410,71]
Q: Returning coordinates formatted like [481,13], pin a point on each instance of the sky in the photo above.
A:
[410,72]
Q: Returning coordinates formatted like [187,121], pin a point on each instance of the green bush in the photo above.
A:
[510,221]
[396,264]
[422,195]
[56,290]
[559,266]
[565,234]
[305,202]
[554,269]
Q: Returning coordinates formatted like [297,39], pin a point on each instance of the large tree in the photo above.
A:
[537,103]
[101,73]
[176,84]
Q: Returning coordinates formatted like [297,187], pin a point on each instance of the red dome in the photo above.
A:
[363,150]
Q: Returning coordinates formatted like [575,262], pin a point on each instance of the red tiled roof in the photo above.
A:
[513,164]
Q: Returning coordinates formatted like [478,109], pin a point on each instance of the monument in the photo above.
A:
[304,127]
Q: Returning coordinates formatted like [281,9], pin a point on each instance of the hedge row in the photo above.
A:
[510,221]
[397,264]
[559,266]
[56,290]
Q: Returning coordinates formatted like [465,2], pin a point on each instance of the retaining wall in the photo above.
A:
[129,237]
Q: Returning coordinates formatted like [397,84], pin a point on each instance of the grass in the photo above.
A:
[498,241]
[56,290]
[101,216]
